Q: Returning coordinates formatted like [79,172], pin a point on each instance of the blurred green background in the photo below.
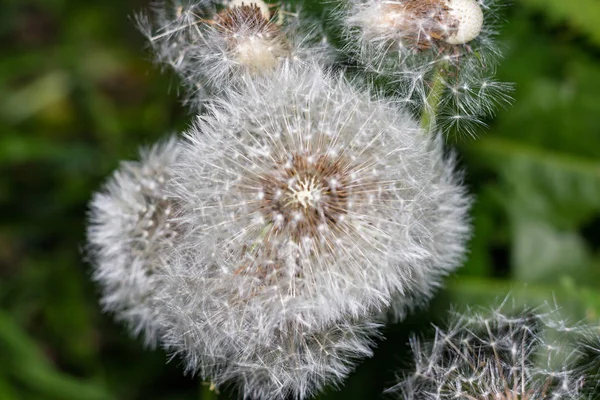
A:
[78,94]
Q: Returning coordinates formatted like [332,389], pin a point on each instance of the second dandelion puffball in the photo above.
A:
[420,23]
[129,229]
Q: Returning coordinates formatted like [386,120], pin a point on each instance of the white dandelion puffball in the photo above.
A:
[129,229]
[419,23]
[422,44]
[497,355]
[211,45]
[303,204]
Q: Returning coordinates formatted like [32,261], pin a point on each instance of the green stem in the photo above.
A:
[208,391]
[432,103]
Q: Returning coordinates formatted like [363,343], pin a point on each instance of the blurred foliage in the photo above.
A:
[77,94]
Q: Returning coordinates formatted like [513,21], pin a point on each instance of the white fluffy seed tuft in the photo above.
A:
[211,45]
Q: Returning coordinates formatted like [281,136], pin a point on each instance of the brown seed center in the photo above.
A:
[421,22]
[245,17]
[304,195]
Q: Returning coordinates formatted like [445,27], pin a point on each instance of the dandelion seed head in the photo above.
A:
[415,42]
[504,357]
[212,45]
[129,228]
[420,24]
[304,205]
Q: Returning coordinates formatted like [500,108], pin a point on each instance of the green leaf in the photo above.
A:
[32,369]
[559,188]
[7,392]
[583,15]
[542,253]
[572,300]
[547,197]
[41,93]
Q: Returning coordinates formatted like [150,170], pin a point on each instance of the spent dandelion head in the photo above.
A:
[441,54]
[129,229]
[211,44]
[421,25]
[497,355]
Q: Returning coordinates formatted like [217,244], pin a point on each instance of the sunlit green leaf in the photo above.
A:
[582,15]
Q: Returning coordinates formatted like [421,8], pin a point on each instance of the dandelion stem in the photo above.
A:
[432,102]
[208,391]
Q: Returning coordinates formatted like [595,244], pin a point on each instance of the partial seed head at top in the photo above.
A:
[440,55]
[211,45]
[420,23]
[253,40]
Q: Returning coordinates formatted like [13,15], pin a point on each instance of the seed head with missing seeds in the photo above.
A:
[210,45]
[498,355]
[422,24]
[426,44]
